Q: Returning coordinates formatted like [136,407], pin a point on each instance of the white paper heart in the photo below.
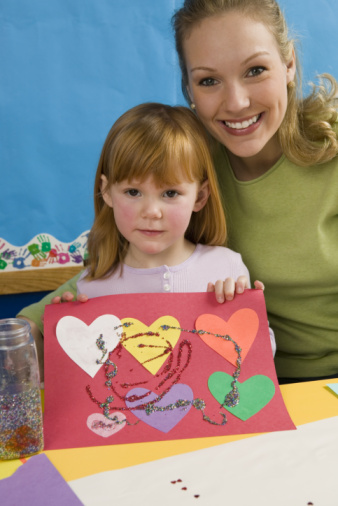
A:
[78,339]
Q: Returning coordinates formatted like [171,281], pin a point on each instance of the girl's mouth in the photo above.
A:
[151,233]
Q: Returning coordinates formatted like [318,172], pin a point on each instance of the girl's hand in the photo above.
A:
[226,290]
[68,297]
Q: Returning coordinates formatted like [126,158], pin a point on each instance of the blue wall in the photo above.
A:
[69,68]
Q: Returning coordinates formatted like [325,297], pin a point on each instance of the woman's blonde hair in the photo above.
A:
[307,135]
[166,143]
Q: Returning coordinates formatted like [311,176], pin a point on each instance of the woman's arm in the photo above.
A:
[34,315]
[38,338]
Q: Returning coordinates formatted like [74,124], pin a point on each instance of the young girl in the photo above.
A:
[159,223]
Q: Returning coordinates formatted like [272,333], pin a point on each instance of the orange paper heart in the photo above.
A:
[242,327]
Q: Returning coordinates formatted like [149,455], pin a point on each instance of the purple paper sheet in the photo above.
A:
[37,483]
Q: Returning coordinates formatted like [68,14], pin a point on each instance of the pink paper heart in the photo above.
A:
[102,426]
[162,420]
[242,327]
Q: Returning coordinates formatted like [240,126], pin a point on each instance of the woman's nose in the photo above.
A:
[236,98]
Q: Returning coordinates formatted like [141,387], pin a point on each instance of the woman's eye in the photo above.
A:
[209,81]
[170,194]
[256,71]
[133,192]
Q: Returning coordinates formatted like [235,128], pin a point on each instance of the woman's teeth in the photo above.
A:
[243,124]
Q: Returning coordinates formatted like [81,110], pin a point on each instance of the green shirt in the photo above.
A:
[35,311]
[285,225]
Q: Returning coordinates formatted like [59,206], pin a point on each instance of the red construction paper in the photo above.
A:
[69,420]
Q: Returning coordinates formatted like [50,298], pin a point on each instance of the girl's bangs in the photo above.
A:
[167,164]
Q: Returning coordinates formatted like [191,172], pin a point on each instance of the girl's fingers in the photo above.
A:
[225,290]
[210,287]
[259,285]
[219,291]
[229,288]
[67,297]
[242,284]
[82,297]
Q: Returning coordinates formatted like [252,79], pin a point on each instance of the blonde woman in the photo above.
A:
[276,160]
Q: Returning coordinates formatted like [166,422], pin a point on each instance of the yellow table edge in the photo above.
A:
[306,403]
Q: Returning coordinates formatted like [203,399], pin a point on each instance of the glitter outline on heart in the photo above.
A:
[254,393]
[140,354]
[72,335]
[99,417]
[162,420]
[242,327]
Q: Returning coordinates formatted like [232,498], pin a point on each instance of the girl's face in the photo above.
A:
[238,82]
[154,219]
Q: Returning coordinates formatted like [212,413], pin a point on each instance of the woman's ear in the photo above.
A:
[104,191]
[189,93]
[202,196]
[291,68]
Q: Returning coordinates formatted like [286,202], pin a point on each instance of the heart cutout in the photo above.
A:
[78,339]
[102,426]
[150,351]
[242,327]
[254,393]
[162,420]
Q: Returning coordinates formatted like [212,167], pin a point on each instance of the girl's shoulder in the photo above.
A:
[216,252]
[219,262]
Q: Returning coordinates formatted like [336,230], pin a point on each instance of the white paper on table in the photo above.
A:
[287,468]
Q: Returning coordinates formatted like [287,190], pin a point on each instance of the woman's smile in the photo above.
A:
[243,126]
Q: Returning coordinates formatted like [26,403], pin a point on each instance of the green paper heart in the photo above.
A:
[254,393]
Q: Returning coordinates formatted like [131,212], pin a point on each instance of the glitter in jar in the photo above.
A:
[21,431]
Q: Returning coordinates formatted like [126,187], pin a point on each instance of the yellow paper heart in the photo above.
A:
[150,351]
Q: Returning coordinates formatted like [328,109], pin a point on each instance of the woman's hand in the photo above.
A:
[226,290]
[68,297]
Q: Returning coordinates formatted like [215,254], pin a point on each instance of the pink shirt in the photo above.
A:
[207,263]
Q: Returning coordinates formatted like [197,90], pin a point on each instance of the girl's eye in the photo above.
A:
[208,81]
[256,71]
[170,194]
[132,192]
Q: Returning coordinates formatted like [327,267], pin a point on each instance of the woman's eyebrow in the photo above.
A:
[251,57]
[245,62]
[208,69]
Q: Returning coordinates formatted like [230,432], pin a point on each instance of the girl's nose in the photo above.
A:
[151,209]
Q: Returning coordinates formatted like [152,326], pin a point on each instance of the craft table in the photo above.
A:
[306,403]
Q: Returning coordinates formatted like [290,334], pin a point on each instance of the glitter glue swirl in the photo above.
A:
[230,400]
